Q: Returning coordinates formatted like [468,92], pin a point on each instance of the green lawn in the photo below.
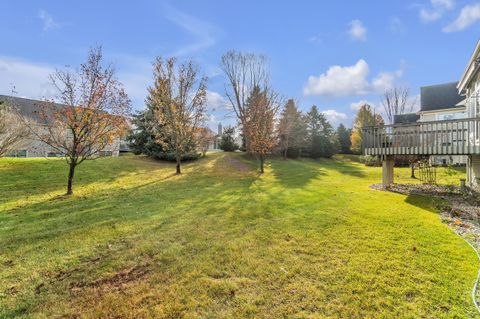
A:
[308,239]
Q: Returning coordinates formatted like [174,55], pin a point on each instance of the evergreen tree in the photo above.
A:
[291,130]
[321,137]
[343,136]
[143,139]
[227,140]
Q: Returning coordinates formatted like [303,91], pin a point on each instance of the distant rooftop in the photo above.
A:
[440,96]
[27,107]
[406,118]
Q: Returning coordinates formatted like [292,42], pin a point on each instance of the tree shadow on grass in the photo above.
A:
[348,168]
[427,203]
[27,178]
[295,173]
[298,173]
[59,216]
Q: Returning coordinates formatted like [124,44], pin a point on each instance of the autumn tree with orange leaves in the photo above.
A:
[366,116]
[261,109]
[205,137]
[87,115]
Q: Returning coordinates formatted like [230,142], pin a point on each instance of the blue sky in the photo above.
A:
[333,54]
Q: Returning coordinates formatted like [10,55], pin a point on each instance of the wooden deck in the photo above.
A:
[451,137]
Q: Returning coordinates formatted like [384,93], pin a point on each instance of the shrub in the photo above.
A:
[370,160]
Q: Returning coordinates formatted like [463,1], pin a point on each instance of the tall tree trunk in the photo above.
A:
[179,171]
[412,170]
[71,174]
[262,160]
[285,153]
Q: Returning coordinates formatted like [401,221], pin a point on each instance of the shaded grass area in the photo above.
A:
[308,239]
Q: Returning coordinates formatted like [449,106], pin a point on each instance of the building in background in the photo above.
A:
[439,102]
[33,147]
[448,126]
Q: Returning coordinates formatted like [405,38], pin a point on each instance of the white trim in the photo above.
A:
[453,109]
[470,70]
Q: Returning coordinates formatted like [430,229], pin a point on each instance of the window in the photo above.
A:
[18,153]
[451,116]
[53,154]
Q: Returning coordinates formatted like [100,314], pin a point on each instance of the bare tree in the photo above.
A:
[90,113]
[13,131]
[396,101]
[244,72]
[179,97]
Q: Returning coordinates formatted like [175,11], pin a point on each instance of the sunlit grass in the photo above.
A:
[308,239]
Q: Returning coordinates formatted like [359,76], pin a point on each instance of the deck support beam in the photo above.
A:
[473,171]
[387,170]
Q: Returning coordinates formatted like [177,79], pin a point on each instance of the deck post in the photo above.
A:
[387,170]
[473,171]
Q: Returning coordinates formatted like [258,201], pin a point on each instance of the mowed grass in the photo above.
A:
[308,239]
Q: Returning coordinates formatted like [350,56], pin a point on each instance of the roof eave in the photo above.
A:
[470,70]
[456,108]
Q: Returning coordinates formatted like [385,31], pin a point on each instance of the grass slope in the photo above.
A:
[308,239]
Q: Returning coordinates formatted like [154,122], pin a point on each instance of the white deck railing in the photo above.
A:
[451,137]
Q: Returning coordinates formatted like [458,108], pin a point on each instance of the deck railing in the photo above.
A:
[450,137]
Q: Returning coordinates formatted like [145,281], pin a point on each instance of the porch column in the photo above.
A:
[387,171]
[473,171]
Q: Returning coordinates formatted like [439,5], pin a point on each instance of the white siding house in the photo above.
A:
[33,147]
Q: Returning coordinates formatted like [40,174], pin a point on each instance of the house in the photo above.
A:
[33,147]
[215,144]
[447,127]
[438,103]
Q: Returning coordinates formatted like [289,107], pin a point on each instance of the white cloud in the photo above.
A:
[136,85]
[216,102]
[429,15]
[32,80]
[386,80]
[340,81]
[357,31]
[47,19]
[349,81]
[334,116]
[355,106]
[29,79]
[436,10]
[469,15]
[205,34]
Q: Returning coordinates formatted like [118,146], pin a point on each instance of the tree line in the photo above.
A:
[91,109]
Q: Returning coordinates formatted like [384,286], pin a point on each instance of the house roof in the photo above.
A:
[406,118]
[26,107]
[440,96]
[470,70]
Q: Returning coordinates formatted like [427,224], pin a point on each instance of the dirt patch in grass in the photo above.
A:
[114,282]
[237,164]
